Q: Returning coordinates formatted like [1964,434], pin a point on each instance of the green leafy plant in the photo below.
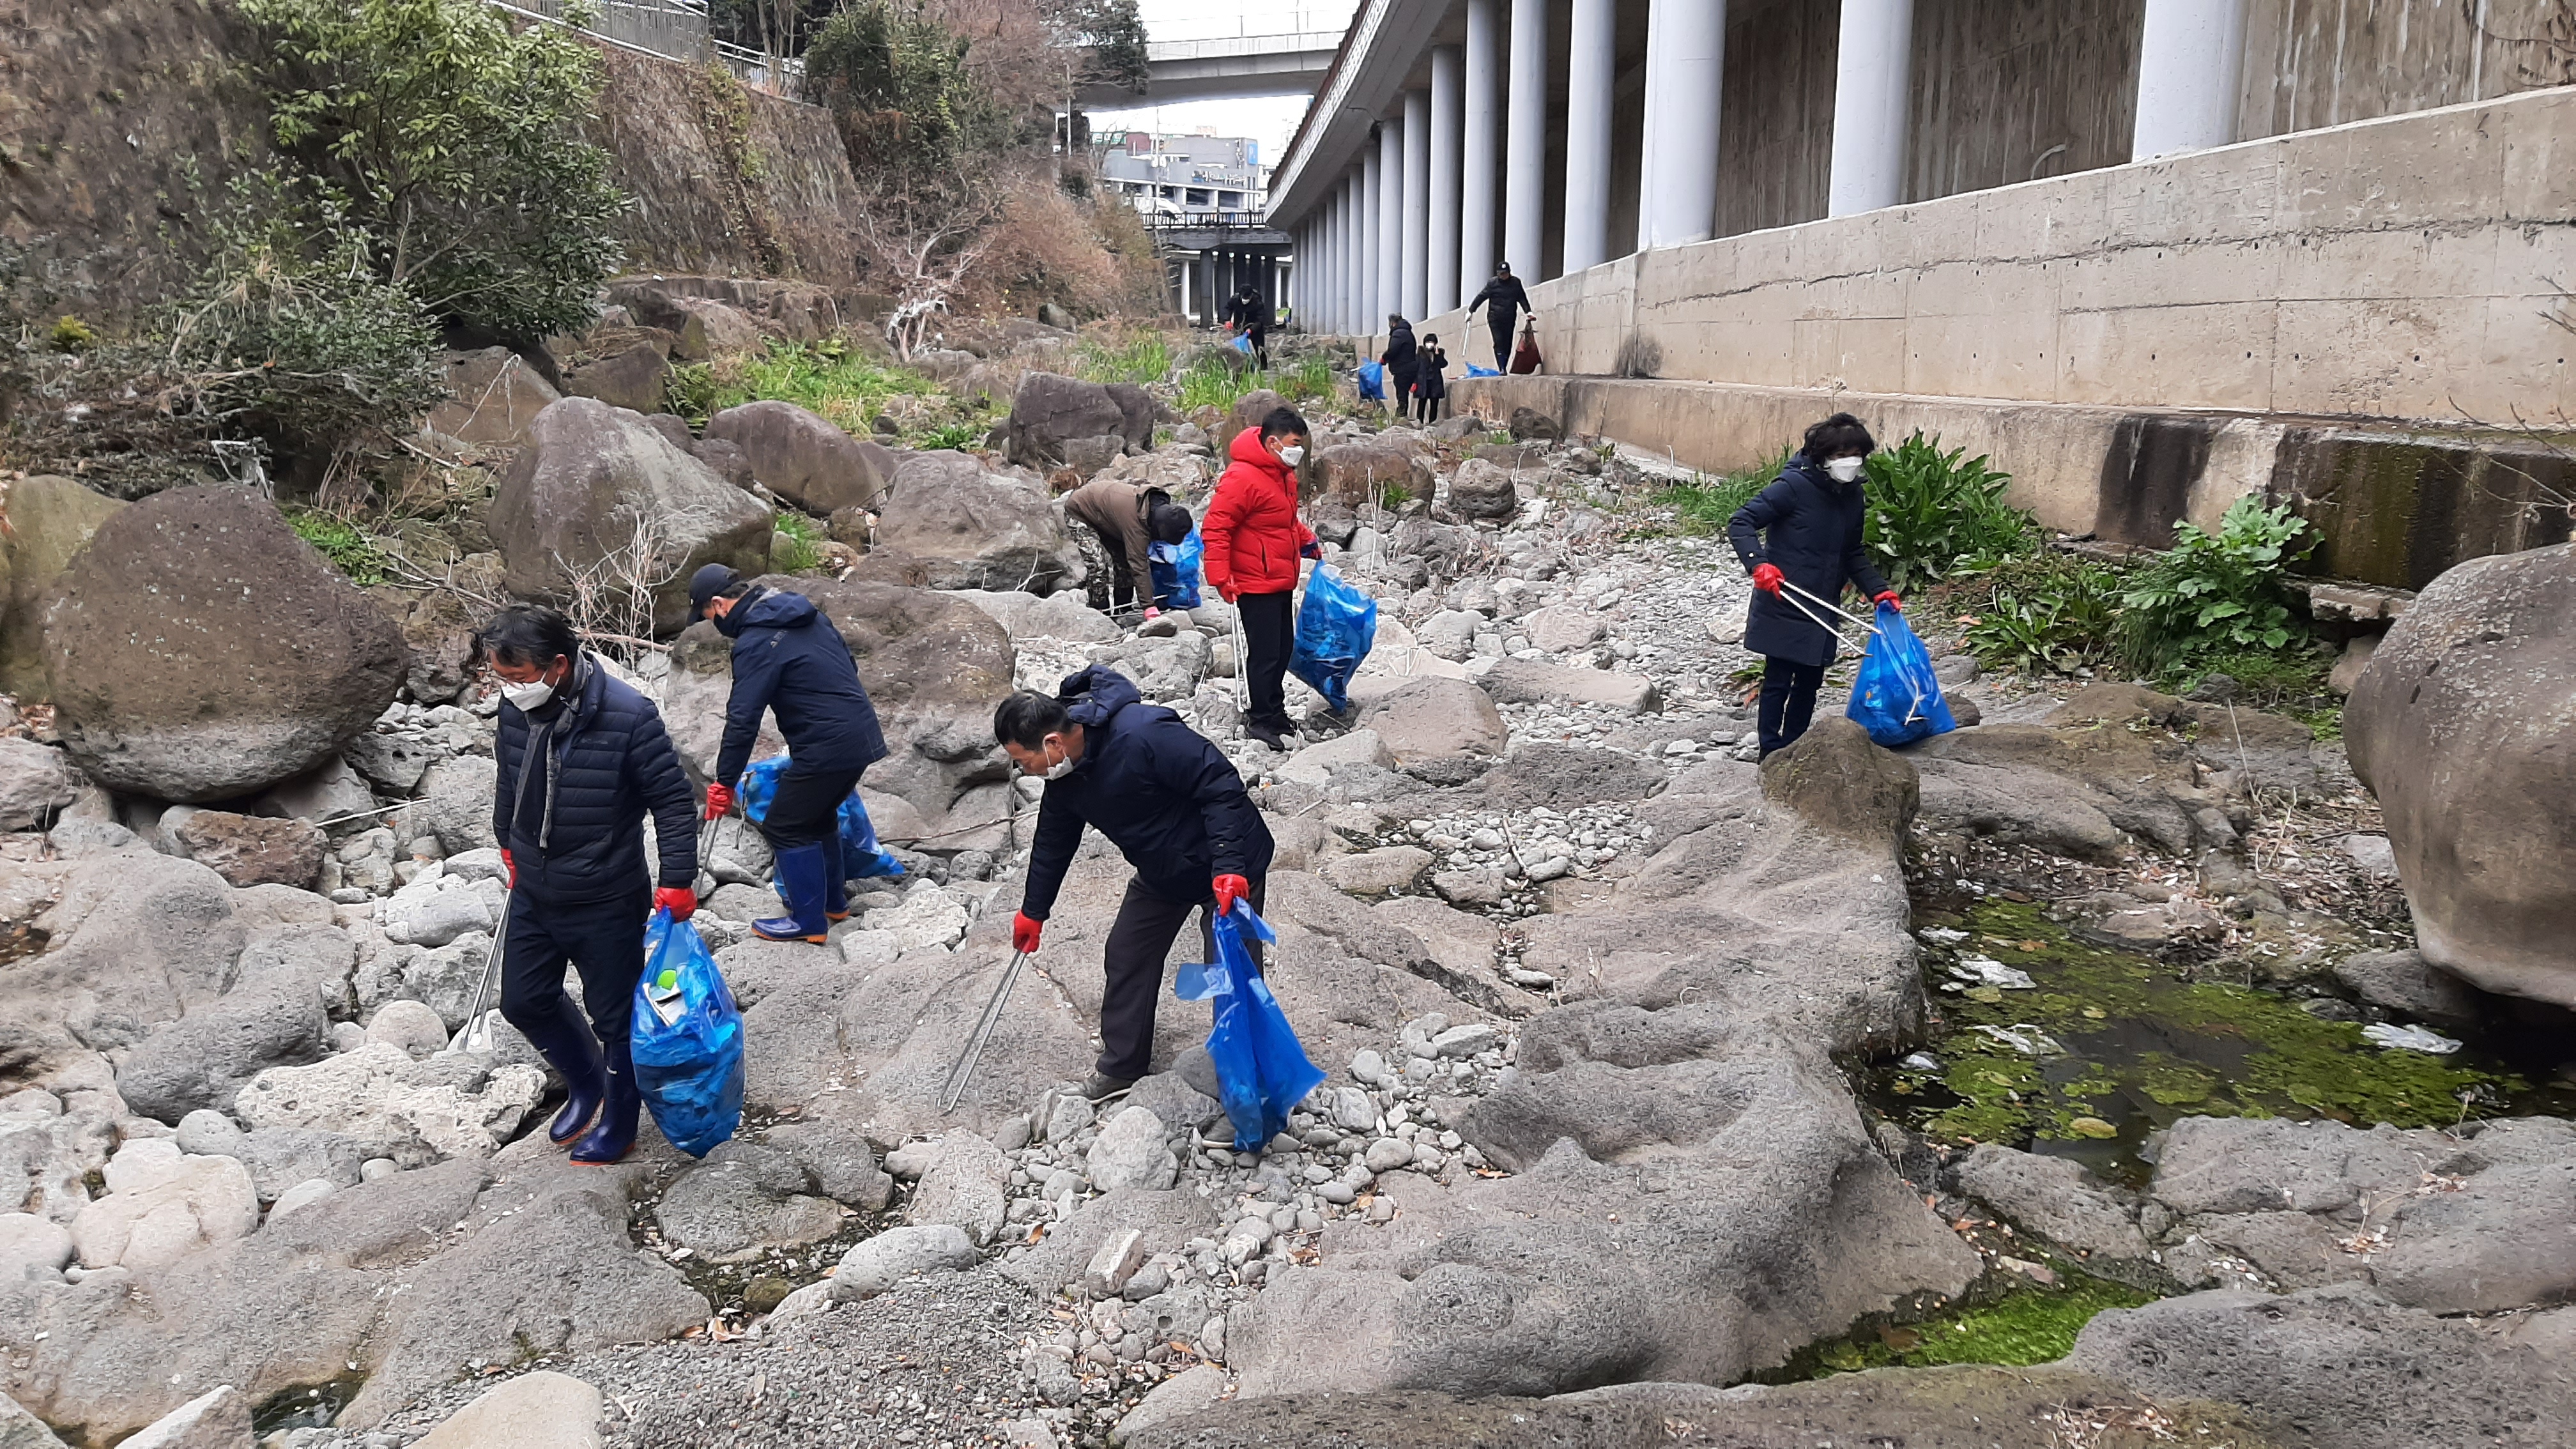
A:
[341,541]
[2042,613]
[949,435]
[1310,379]
[2290,682]
[454,139]
[71,334]
[1703,505]
[798,547]
[1139,357]
[2215,593]
[824,377]
[1934,514]
[1211,383]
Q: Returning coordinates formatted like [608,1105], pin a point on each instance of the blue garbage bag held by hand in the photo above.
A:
[1895,696]
[1373,381]
[687,1039]
[1176,572]
[1262,1071]
[1336,628]
[861,856]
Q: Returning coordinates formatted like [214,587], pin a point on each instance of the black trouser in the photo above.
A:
[1269,632]
[1427,405]
[1123,583]
[1788,701]
[1502,343]
[807,808]
[604,941]
[1139,941]
[1260,344]
[1400,385]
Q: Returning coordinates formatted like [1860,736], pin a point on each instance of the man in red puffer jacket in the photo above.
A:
[1253,539]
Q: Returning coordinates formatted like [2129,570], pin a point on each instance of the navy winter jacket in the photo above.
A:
[1810,526]
[789,659]
[1169,800]
[575,825]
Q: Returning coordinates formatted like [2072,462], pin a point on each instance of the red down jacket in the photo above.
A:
[1252,534]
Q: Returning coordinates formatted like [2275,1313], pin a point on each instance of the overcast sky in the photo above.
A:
[1267,119]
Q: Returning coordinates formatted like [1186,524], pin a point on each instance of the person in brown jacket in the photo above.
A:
[1129,517]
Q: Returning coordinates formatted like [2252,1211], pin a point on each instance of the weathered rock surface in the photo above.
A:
[961,1185]
[415,1111]
[35,784]
[897,1253]
[204,1058]
[598,493]
[249,850]
[1435,719]
[1131,1152]
[216,1419]
[2458,725]
[139,938]
[541,1410]
[974,529]
[493,397]
[804,458]
[200,650]
[1052,616]
[742,1199]
[2054,1197]
[1482,490]
[162,1205]
[1051,414]
[50,519]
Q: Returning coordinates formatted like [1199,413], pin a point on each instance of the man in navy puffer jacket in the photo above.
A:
[1172,804]
[582,758]
[789,660]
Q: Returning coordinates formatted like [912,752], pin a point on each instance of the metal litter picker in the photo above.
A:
[964,1069]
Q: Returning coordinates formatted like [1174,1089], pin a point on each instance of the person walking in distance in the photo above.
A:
[583,759]
[1804,530]
[1403,361]
[1172,804]
[1503,299]
[1252,539]
[789,660]
[1246,311]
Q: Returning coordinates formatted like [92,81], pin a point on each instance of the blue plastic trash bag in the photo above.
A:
[1895,697]
[1176,572]
[1373,381]
[687,1039]
[861,856]
[1474,371]
[1335,628]
[1261,1069]
[1242,342]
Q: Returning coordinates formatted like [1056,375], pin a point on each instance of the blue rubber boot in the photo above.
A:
[836,885]
[565,1041]
[800,883]
[614,1137]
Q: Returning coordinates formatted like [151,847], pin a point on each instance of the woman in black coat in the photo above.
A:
[1806,529]
[1402,363]
[1430,380]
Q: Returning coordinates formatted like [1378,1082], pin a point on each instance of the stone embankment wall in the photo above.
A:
[107,108]
[2353,317]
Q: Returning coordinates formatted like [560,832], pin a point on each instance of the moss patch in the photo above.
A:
[2027,1325]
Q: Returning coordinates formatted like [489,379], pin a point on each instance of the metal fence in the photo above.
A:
[675,30]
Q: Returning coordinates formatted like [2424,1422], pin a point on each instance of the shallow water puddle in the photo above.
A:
[2049,1043]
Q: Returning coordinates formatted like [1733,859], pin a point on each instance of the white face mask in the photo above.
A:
[528,696]
[1059,769]
[1292,455]
[1843,470]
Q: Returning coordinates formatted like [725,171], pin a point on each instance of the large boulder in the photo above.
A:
[139,938]
[934,667]
[1434,719]
[1369,472]
[624,367]
[410,1111]
[35,783]
[1482,489]
[1247,412]
[602,502]
[1051,413]
[806,459]
[200,651]
[2460,725]
[974,529]
[250,850]
[204,1058]
[492,397]
[162,1205]
[49,520]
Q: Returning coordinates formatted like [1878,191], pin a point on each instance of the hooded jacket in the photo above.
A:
[1401,356]
[1810,526]
[1252,535]
[574,823]
[1167,798]
[788,659]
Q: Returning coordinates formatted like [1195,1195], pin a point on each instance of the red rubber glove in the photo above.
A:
[719,801]
[1767,577]
[1889,598]
[1229,889]
[1025,932]
[1226,592]
[1310,549]
[510,870]
[680,901]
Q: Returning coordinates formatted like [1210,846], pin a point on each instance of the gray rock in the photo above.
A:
[166,640]
[455,804]
[1374,873]
[1053,616]
[963,1183]
[974,529]
[1162,669]
[216,1419]
[1435,719]
[1131,1152]
[839,1161]
[806,459]
[1050,412]
[2051,1196]
[881,1262]
[2343,1367]
[35,784]
[2402,981]
[1482,490]
[744,1199]
[281,1157]
[204,1058]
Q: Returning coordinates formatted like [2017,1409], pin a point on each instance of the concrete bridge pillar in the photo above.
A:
[2190,59]
[1387,247]
[1441,267]
[1372,223]
[1525,143]
[1481,93]
[1591,63]
[1685,62]
[1416,258]
[1872,91]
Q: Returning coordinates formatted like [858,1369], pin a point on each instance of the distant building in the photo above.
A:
[1191,180]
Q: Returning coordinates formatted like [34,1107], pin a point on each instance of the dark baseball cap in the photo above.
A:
[709,581]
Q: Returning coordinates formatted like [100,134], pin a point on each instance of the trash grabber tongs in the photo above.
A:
[959,1074]
[1242,666]
[1826,603]
[476,1034]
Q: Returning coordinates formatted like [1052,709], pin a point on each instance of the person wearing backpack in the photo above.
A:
[1804,530]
